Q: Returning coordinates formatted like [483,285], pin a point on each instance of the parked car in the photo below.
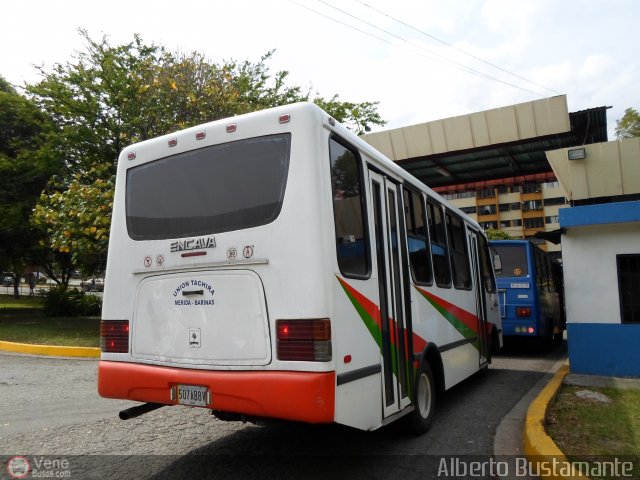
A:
[6,279]
[92,285]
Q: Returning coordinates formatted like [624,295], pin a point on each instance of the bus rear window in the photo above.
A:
[514,260]
[214,189]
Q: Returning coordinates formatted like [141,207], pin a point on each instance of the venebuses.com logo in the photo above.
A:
[18,467]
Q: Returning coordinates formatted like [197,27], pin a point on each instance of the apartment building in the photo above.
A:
[520,210]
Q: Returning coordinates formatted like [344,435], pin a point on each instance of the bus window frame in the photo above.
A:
[409,189]
[437,205]
[448,214]
[364,192]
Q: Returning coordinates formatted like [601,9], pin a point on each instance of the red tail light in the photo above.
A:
[523,312]
[114,336]
[304,340]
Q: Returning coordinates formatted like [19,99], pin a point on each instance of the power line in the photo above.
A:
[443,58]
[433,37]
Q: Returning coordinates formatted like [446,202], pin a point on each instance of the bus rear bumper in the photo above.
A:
[299,396]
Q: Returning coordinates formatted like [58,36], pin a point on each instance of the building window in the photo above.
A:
[549,202]
[534,222]
[516,223]
[552,219]
[503,207]
[469,210]
[488,225]
[548,185]
[487,193]
[629,287]
[502,189]
[532,205]
[531,188]
[454,196]
[487,210]
[515,206]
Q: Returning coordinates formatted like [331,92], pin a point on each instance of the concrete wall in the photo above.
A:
[599,343]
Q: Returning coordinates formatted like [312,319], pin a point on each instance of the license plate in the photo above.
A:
[194,396]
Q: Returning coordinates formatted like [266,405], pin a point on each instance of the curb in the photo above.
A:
[540,449]
[52,350]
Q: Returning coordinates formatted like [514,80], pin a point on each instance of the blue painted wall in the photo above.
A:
[611,349]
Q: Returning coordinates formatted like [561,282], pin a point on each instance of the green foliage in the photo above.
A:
[111,96]
[61,301]
[629,125]
[494,234]
[77,219]
[26,164]
[356,116]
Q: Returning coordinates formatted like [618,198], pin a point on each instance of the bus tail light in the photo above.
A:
[114,336]
[306,340]
[523,312]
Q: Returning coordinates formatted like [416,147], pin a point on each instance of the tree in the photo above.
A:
[111,96]
[25,167]
[495,234]
[629,125]
[76,221]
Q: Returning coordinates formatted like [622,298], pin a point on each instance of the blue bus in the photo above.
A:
[530,290]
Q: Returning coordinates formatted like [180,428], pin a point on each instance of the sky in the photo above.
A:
[422,60]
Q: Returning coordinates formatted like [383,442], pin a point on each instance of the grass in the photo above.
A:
[22,320]
[24,302]
[592,431]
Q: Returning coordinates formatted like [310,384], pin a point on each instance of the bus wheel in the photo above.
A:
[425,401]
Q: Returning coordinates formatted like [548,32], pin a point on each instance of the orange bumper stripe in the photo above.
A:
[300,396]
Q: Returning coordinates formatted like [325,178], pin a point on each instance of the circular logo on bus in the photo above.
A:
[18,467]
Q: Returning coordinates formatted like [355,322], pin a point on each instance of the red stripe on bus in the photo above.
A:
[419,343]
[469,319]
[300,396]
[371,308]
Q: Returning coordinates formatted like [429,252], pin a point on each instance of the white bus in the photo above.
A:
[274,265]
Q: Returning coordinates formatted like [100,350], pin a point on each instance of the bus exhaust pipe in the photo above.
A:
[138,410]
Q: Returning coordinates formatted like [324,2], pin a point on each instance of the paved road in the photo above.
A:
[50,407]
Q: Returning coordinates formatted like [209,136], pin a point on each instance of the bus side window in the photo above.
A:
[352,242]
[485,264]
[440,255]
[458,252]
[417,238]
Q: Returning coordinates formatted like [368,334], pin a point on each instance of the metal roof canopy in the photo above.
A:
[493,144]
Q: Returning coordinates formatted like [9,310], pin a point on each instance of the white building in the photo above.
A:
[601,255]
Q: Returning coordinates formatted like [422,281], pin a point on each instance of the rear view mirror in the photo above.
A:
[497,263]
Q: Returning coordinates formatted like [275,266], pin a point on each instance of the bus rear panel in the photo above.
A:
[528,292]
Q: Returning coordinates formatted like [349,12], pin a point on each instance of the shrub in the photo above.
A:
[65,302]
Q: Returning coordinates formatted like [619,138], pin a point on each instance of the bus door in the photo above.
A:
[481,299]
[388,239]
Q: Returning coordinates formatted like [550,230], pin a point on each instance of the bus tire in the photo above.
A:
[424,401]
